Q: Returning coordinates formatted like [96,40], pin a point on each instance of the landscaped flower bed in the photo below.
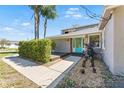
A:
[37,50]
[102,78]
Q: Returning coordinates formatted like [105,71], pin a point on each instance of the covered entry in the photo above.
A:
[75,41]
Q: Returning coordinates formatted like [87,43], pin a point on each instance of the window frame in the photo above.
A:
[95,35]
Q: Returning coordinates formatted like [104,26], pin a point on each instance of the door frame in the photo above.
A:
[82,43]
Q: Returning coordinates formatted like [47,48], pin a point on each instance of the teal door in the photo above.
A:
[77,45]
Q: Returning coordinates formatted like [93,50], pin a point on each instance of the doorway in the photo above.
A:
[77,45]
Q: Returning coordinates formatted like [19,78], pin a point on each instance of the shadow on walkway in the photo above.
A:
[21,62]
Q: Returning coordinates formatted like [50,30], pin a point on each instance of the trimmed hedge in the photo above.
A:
[37,50]
[53,44]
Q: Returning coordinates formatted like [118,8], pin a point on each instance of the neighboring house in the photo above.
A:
[73,39]
[113,34]
[12,44]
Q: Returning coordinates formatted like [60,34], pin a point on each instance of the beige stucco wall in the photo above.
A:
[108,47]
[62,45]
[119,41]
[114,42]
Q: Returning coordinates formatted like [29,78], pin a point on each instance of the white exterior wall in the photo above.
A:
[108,47]
[119,41]
[62,45]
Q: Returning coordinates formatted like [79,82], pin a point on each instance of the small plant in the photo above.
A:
[68,83]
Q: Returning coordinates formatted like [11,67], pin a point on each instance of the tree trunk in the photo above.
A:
[35,30]
[45,26]
[36,25]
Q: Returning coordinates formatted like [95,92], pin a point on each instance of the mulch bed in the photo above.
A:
[102,78]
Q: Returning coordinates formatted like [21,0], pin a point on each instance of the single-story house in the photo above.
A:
[108,35]
[73,39]
[12,44]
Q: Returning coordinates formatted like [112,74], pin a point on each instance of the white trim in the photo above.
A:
[80,36]
[103,39]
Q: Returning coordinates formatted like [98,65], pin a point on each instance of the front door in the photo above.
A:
[77,45]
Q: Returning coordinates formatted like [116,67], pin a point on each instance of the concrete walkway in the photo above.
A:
[42,75]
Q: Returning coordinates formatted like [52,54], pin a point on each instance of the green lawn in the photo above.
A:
[9,77]
[7,54]
[9,49]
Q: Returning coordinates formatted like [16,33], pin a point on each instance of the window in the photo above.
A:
[78,42]
[66,32]
[95,39]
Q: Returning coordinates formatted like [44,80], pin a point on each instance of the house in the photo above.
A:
[12,44]
[108,35]
[113,36]
[73,39]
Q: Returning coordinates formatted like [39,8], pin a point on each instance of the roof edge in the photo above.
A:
[107,11]
[84,26]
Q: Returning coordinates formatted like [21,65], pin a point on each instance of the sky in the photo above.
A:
[17,22]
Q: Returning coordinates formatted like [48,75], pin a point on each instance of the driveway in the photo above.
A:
[44,76]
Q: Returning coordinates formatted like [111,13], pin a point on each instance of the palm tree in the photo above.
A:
[37,10]
[48,12]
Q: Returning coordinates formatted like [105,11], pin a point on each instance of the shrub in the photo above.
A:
[38,50]
[53,44]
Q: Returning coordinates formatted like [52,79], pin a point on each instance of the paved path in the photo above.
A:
[42,75]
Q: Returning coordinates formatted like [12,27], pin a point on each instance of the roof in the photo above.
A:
[81,27]
[77,33]
[107,14]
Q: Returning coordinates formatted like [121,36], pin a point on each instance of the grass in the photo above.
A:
[9,77]
[10,49]
[7,54]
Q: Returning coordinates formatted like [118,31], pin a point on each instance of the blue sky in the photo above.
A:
[16,22]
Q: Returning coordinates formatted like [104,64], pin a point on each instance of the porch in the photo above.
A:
[57,55]
[76,44]
[74,41]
